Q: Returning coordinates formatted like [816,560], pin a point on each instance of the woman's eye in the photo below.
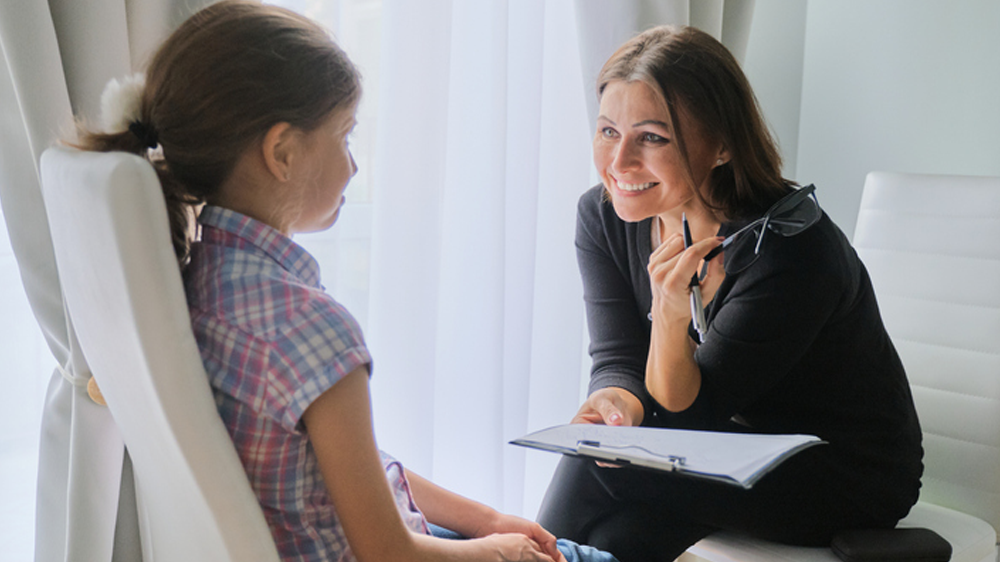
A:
[609,133]
[653,138]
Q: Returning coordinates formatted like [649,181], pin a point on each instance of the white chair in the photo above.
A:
[932,247]
[124,292]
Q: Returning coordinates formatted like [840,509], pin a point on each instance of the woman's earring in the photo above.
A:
[719,162]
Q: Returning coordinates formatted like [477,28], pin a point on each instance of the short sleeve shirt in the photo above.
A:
[272,341]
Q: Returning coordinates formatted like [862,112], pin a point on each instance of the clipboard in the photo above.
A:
[740,459]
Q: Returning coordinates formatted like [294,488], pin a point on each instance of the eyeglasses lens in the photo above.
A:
[743,251]
[795,217]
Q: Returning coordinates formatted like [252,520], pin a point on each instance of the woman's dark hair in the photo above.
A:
[696,74]
[218,84]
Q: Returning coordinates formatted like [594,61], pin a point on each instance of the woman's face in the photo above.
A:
[638,160]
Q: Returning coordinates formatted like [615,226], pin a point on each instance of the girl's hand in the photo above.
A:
[514,547]
[671,268]
[610,406]
[504,523]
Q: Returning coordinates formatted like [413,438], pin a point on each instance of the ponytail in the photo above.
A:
[125,130]
[216,85]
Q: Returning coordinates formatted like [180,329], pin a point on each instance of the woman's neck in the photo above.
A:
[702,222]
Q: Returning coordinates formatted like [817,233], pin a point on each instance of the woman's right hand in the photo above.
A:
[610,406]
[514,547]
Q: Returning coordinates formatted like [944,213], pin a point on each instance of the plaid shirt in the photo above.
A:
[272,341]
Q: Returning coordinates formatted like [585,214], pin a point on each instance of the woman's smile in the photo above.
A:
[630,188]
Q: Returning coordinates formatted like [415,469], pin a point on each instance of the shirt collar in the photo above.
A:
[227,227]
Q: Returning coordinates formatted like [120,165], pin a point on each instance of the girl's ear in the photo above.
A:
[279,150]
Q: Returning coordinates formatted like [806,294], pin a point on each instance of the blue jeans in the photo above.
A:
[583,553]
[572,551]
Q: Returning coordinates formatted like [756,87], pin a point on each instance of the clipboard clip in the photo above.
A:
[675,462]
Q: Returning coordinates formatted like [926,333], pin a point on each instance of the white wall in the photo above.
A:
[773,64]
[899,85]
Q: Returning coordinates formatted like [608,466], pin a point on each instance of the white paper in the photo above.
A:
[736,458]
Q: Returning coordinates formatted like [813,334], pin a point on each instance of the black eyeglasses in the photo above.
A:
[791,215]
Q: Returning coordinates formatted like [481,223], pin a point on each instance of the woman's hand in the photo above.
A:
[673,378]
[610,406]
[671,268]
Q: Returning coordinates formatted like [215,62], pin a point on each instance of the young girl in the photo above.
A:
[249,108]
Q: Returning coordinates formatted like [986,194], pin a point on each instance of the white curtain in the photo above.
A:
[57,56]
[483,148]
[473,272]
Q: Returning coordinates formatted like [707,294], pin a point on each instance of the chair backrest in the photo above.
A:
[932,247]
[124,292]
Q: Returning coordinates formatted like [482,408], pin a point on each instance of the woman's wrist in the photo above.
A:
[669,315]
[673,378]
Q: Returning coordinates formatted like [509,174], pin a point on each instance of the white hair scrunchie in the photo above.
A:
[121,102]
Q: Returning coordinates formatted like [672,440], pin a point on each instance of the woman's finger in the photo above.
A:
[668,248]
[689,261]
[611,413]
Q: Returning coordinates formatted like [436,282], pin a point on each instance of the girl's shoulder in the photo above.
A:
[250,291]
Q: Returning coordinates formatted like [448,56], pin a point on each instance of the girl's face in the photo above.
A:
[638,161]
[325,167]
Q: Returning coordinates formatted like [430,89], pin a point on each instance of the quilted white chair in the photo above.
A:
[124,293]
[932,247]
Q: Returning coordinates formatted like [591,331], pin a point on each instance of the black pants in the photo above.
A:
[643,515]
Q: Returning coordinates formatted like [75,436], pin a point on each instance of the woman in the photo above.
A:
[794,342]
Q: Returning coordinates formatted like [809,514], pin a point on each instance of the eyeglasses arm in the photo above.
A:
[732,237]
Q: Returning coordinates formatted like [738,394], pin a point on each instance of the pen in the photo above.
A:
[697,306]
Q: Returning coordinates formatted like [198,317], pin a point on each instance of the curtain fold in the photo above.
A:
[57,57]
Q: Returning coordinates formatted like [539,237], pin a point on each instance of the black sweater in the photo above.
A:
[795,345]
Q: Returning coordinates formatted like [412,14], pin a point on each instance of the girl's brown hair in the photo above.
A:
[218,84]
[696,74]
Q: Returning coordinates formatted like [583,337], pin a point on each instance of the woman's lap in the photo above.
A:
[648,515]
